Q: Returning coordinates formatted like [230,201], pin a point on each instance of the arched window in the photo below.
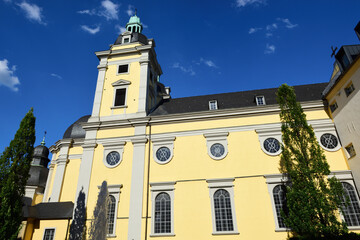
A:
[111,214]
[279,194]
[351,211]
[223,213]
[162,213]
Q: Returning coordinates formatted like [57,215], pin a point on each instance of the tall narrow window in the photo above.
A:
[120,97]
[351,211]
[49,234]
[162,213]
[111,214]
[223,212]
[279,194]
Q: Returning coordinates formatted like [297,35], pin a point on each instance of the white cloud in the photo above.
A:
[182,68]
[268,34]
[120,29]
[287,22]
[271,27]
[7,77]
[110,10]
[243,3]
[269,49]
[32,11]
[144,25]
[87,11]
[90,30]
[56,75]
[254,30]
[208,63]
[131,10]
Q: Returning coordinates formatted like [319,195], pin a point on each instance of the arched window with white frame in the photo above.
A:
[350,211]
[223,211]
[162,213]
[279,194]
[111,214]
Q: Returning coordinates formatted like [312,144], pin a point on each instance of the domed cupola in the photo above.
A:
[134,24]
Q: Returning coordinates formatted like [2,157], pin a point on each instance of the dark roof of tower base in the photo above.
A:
[75,130]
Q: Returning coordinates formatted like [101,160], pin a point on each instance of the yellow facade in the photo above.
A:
[136,134]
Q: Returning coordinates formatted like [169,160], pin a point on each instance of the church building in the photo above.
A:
[202,167]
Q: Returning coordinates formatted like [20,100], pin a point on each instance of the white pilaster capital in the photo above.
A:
[89,146]
[102,67]
[62,161]
[139,140]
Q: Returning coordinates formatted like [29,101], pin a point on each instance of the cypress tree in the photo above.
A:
[14,172]
[313,199]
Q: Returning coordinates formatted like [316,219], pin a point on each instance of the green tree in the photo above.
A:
[14,169]
[313,199]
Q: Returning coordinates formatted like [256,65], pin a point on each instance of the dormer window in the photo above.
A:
[213,105]
[126,39]
[260,100]
[123,68]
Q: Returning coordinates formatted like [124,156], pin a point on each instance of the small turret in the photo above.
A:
[134,24]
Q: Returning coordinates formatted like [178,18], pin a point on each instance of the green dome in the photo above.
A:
[134,24]
[134,19]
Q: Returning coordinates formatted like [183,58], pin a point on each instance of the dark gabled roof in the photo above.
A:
[49,210]
[304,93]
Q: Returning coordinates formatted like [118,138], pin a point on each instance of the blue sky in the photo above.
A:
[47,50]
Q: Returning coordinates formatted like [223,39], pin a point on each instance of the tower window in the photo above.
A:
[260,100]
[350,150]
[120,97]
[349,89]
[213,105]
[123,68]
[126,40]
[333,107]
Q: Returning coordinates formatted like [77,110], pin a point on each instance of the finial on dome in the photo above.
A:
[43,141]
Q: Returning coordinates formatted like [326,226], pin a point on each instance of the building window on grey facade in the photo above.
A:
[329,141]
[120,96]
[272,145]
[163,154]
[162,213]
[113,158]
[350,211]
[349,89]
[279,194]
[126,40]
[217,150]
[111,215]
[260,100]
[350,150]
[49,234]
[213,105]
[333,107]
[123,68]
[223,212]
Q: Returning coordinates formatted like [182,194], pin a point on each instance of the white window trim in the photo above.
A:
[320,129]
[212,138]
[157,188]
[115,191]
[47,229]
[216,105]
[265,133]
[120,84]
[228,185]
[113,146]
[257,102]
[163,142]
[272,181]
[117,68]
[126,37]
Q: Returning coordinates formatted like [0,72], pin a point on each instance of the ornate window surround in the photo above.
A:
[157,188]
[212,138]
[321,128]
[120,84]
[273,132]
[228,185]
[163,142]
[113,146]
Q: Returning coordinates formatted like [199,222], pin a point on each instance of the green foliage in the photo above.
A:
[313,199]
[14,172]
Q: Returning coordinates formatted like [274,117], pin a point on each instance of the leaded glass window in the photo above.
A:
[162,213]
[351,211]
[163,154]
[329,140]
[279,194]
[223,212]
[271,145]
[49,234]
[111,214]
[217,150]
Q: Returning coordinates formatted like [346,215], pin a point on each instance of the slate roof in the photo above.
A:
[243,99]
[49,210]
[75,130]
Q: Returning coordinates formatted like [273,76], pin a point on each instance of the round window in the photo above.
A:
[113,158]
[329,140]
[271,145]
[163,154]
[217,150]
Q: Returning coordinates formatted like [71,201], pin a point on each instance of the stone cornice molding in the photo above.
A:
[62,161]
[89,145]
[162,186]
[114,144]
[139,140]
[220,182]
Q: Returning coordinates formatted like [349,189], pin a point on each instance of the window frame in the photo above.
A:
[349,89]
[156,188]
[49,228]
[118,66]
[270,132]
[349,155]
[120,84]
[333,109]
[257,100]
[215,104]
[228,185]
[213,138]
[163,142]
